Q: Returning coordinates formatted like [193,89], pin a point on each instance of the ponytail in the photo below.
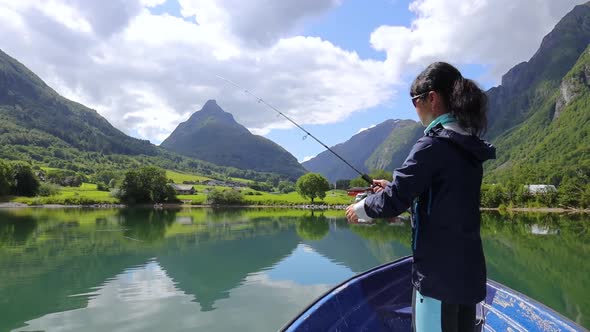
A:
[462,97]
[468,104]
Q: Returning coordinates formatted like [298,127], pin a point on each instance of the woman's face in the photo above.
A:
[423,108]
[428,107]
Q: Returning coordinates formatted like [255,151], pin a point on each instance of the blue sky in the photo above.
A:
[334,66]
[348,26]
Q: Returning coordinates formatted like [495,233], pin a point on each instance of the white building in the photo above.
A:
[537,189]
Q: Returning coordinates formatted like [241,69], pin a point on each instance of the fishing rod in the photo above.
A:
[364,176]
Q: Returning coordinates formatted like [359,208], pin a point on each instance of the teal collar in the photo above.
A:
[443,119]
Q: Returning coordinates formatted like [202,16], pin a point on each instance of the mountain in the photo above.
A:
[40,126]
[384,146]
[540,115]
[31,113]
[213,135]
[392,153]
[554,142]
[539,118]
[527,86]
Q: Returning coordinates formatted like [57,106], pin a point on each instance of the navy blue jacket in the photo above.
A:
[441,182]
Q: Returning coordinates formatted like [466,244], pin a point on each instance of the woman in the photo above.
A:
[441,180]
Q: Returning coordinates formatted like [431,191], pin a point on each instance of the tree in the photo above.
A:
[343,184]
[492,195]
[286,187]
[66,178]
[5,178]
[358,182]
[48,189]
[25,182]
[381,174]
[569,193]
[377,174]
[585,198]
[146,185]
[260,186]
[225,197]
[106,176]
[312,185]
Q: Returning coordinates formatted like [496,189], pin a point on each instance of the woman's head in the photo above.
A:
[441,88]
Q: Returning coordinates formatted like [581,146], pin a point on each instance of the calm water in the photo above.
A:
[247,270]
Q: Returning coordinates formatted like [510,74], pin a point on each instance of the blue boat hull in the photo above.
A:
[380,300]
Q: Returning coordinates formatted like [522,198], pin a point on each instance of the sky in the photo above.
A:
[336,67]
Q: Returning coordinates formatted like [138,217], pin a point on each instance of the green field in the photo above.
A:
[333,197]
[84,195]
[87,194]
[179,177]
[253,197]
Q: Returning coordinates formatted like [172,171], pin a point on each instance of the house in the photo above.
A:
[184,220]
[183,189]
[540,189]
[41,176]
[357,190]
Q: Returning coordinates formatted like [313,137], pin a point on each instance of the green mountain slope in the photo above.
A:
[538,117]
[31,113]
[40,126]
[213,135]
[555,141]
[379,147]
[526,87]
[392,153]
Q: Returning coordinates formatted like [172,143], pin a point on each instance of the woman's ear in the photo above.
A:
[436,103]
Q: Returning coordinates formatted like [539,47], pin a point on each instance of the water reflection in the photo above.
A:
[17,230]
[238,269]
[209,268]
[146,224]
[139,298]
[313,227]
[552,267]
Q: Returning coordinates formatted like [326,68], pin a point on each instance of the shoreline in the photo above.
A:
[15,205]
[544,210]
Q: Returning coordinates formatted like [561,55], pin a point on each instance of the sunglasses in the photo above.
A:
[416,97]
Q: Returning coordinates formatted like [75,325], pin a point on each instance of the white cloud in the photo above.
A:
[495,33]
[256,22]
[152,71]
[363,129]
[139,298]
[307,158]
[146,73]
[152,3]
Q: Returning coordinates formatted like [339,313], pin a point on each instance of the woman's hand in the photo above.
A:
[351,215]
[378,185]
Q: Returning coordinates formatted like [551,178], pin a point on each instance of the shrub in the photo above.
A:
[101,186]
[146,185]
[48,189]
[225,197]
[25,182]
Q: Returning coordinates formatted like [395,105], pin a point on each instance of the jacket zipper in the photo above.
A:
[416,227]
[417,215]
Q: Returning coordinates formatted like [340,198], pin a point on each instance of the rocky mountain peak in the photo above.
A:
[211,106]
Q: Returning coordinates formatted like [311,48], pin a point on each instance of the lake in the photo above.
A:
[242,269]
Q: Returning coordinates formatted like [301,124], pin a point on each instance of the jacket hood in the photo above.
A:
[480,150]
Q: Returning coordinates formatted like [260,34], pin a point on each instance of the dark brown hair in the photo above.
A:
[462,97]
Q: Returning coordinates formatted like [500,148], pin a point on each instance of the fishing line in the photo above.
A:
[307,133]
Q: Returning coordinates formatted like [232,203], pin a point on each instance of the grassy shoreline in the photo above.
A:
[88,196]
[309,206]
